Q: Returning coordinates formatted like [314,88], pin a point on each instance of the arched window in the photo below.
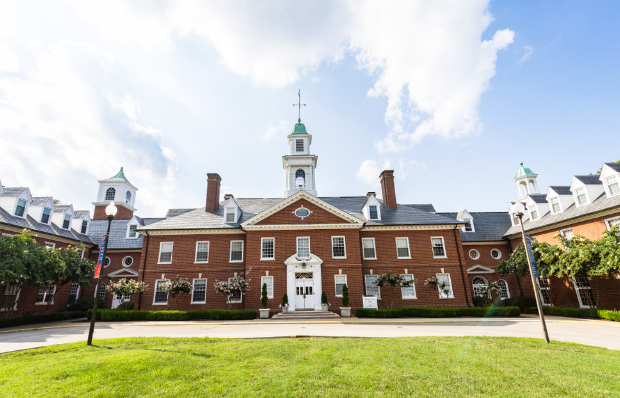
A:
[127,197]
[102,291]
[478,283]
[300,179]
[110,193]
[504,293]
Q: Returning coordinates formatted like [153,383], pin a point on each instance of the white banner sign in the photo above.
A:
[370,302]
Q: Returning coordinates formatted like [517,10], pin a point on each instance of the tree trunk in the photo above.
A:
[519,283]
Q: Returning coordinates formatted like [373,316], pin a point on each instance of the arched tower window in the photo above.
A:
[300,179]
[127,197]
[110,193]
[478,284]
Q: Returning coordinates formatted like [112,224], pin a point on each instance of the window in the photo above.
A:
[110,194]
[267,248]
[302,213]
[612,222]
[21,206]
[199,293]
[515,219]
[81,252]
[340,281]
[567,233]
[127,197]
[468,227]
[496,254]
[503,285]
[236,250]
[584,291]
[11,293]
[303,247]
[612,184]
[269,281]
[45,295]
[230,214]
[132,231]
[236,298]
[165,252]
[299,145]
[102,291]
[127,261]
[74,290]
[581,196]
[45,218]
[66,221]
[338,249]
[555,205]
[50,245]
[478,284]
[438,247]
[445,278]
[161,296]
[300,179]
[545,291]
[402,248]
[372,210]
[84,226]
[371,288]
[534,215]
[368,245]
[106,262]
[408,292]
[474,254]
[202,252]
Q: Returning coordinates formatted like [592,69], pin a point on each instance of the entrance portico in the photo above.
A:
[303,282]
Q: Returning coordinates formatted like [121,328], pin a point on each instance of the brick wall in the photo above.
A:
[122,213]
[317,215]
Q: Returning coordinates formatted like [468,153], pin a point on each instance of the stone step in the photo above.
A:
[306,315]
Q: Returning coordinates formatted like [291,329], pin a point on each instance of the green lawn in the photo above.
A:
[308,367]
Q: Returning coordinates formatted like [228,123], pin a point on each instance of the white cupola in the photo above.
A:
[299,164]
[119,190]
[525,180]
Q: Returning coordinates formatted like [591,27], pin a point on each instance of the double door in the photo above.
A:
[304,291]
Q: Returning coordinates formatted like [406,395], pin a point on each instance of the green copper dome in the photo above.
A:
[299,128]
[119,176]
[524,171]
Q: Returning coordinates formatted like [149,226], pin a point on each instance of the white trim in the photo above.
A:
[129,230]
[499,251]
[451,296]
[230,260]
[123,262]
[103,264]
[123,273]
[297,247]
[50,245]
[408,248]
[261,249]
[610,220]
[193,231]
[476,256]
[443,243]
[285,227]
[262,281]
[606,184]
[566,231]
[374,248]
[409,227]
[335,284]
[582,305]
[45,296]
[160,252]
[194,289]
[196,252]
[499,242]
[480,269]
[155,292]
[507,289]
[373,277]
[344,246]
[240,298]
[415,294]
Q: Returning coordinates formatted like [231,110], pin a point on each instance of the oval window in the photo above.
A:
[302,213]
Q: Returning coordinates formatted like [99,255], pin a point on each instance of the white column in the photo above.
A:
[290,286]
[318,287]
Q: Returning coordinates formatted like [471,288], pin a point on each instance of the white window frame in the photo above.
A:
[261,250]
[408,249]
[583,305]
[501,290]
[534,210]
[129,231]
[443,243]
[240,298]
[103,264]
[194,289]
[344,246]
[471,224]
[366,284]
[451,295]
[615,176]
[370,212]
[476,257]
[234,214]
[25,208]
[123,262]
[8,289]
[87,226]
[161,244]
[68,221]
[335,283]
[155,292]
[609,221]
[196,261]
[45,296]
[559,205]
[230,260]
[297,248]
[374,248]
[49,218]
[565,231]
[77,292]
[585,195]
[262,281]
[498,257]
[546,288]
[402,289]
[50,245]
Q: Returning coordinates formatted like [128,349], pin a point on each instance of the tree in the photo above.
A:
[126,287]
[236,288]
[285,299]
[609,252]
[394,281]
[176,288]
[598,173]
[486,291]
[345,296]
[263,297]
[324,298]
[442,287]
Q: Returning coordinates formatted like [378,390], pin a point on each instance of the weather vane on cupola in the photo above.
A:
[299,104]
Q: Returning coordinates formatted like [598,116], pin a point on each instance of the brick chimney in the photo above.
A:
[387,188]
[213,191]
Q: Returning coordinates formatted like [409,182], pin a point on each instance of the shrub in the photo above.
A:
[30,319]
[478,301]
[285,299]
[323,298]
[126,306]
[263,296]
[419,312]
[521,302]
[577,313]
[84,304]
[345,296]
[121,316]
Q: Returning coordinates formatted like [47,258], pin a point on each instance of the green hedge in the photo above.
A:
[417,312]
[577,313]
[27,320]
[120,316]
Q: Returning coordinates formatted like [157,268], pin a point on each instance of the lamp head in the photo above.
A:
[303,265]
[518,209]
[111,210]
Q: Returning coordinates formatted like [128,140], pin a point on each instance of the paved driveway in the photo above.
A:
[597,333]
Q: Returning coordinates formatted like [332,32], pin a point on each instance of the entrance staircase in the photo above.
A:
[306,315]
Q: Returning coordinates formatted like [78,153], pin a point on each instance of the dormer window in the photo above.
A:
[612,184]
[110,194]
[230,214]
[299,145]
[581,196]
[45,218]
[84,226]
[515,219]
[534,214]
[468,227]
[555,205]
[127,197]
[21,206]
[374,214]
[132,231]
[66,221]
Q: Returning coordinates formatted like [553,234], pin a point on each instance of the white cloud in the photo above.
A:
[369,172]
[281,128]
[8,60]
[528,50]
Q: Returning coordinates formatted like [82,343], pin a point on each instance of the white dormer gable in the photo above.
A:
[610,177]
[132,226]
[536,209]
[232,212]
[81,222]
[586,189]
[464,216]
[63,216]
[41,209]
[16,201]
[372,208]
[559,199]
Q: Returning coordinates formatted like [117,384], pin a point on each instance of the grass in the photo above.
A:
[312,367]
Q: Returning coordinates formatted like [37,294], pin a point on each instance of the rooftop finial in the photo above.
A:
[299,104]
[520,164]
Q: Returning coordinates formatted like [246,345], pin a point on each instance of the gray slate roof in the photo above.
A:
[118,232]
[589,180]
[38,201]
[562,190]
[12,191]
[177,212]
[61,208]
[599,204]
[538,198]
[614,166]
[488,226]
[429,208]
[199,219]
[80,213]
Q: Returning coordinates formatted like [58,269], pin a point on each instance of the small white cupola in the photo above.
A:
[610,177]
[513,217]
[232,212]
[132,227]
[299,164]
[81,221]
[119,190]
[16,201]
[586,189]
[526,181]
[537,206]
[63,216]
[41,209]
[559,199]
[372,207]
[464,216]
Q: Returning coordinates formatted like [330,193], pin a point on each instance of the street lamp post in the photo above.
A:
[518,211]
[110,212]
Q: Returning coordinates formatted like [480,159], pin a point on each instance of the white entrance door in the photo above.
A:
[116,300]
[304,290]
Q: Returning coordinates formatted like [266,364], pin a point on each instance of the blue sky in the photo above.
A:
[452,95]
